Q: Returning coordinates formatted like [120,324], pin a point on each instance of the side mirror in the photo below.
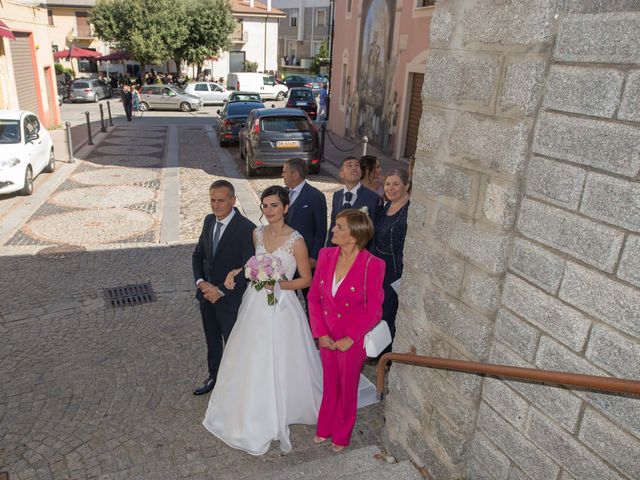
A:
[225,100]
[32,136]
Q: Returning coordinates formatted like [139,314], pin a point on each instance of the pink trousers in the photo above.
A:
[340,378]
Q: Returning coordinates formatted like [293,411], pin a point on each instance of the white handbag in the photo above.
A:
[379,337]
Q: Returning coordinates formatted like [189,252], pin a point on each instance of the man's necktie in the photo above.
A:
[216,236]
[292,196]
[347,200]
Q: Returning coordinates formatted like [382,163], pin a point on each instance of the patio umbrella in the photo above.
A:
[120,55]
[76,52]
[6,31]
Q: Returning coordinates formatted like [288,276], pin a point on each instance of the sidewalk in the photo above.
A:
[336,148]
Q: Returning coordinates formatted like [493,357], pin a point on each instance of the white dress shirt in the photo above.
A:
[294,193]
[354,191]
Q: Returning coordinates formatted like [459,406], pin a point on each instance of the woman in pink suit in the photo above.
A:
[345,302]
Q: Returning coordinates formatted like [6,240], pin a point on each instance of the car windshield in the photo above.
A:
[285,124]
[305,94]
[242,109]
[79,85]
[9,131]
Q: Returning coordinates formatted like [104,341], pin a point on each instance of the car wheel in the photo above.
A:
[51,166]
[280,96]
[185,107]
[251,171]
[28,182]
[96,98]
[144,106]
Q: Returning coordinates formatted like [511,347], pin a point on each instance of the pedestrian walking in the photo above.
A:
[135,96]
[127,100]
[324,97]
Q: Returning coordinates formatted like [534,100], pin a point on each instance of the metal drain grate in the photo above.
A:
[130,295]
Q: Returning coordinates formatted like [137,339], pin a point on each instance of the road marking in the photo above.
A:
[170,223]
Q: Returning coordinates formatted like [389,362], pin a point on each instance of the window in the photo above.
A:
[10,131]
[315,48]
[321,17]
[83,29]
[343,85]
[425,3]
[285,124]
[293,19]
[201,87]
[50,16]
[269,80]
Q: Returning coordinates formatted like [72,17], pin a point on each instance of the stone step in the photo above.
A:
[360,464]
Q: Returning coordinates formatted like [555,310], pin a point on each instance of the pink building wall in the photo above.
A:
[353,112]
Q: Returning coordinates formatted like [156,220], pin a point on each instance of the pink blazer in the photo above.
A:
[346,314]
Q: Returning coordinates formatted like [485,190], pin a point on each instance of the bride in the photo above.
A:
[270,375]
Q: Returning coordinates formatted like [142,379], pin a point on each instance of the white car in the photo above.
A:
[26,150]
[209,92]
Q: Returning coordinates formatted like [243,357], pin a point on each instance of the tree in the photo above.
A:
[321,58]
[148,31]
[209,25]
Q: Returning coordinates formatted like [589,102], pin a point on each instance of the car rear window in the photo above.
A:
[9,131]
[80,85]
[245,98]
[301,94]
[285,124]
[242,109]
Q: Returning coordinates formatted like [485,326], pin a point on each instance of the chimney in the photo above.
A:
[268,5]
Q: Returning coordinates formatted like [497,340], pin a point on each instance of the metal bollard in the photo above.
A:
[323,132]
[69,143]
[365,140]
[89,128]
[103,127]
[109,111]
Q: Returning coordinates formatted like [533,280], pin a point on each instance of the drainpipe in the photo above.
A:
[332,9]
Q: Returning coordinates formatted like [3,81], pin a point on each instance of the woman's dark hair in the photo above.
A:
[367,165]
[277,190]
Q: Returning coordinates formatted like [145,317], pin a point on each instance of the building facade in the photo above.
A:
[27,73]
[301,33]
[378,65]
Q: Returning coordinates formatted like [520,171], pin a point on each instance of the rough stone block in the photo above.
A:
[480,289]
[430,457]
[538,265]
[455,444]
[487,249]
[584,239]
[519,335]
[433,125]
[596,143]
[554,356]
[484,452]
[611,443]
[419,213]
[557,182]
[519,24]
[614,352]
[451,78]
[565,450]
[412,290]
[489,143]
[466,327]
[584,90]
[514,445]
[599,38]
[557,402]
[630,110]
[629,268]
[444,270]
[516,474]
[511,406]
[522,86]
[500,201]
[478,471]
[446,184]
[612,200]
[624,410]
[566,324]
[614,303]
[442,25]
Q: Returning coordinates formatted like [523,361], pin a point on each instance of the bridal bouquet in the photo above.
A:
[262,270]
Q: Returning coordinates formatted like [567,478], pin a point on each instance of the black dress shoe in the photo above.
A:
[208,385]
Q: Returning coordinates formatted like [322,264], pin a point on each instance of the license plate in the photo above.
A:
[287,144]
[300,104]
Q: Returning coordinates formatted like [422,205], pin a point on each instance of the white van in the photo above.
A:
[260,83]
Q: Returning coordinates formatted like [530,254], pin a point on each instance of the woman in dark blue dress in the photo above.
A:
[389,235]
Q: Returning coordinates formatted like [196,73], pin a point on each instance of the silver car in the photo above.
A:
[168,97]
[88,90]
[211,93]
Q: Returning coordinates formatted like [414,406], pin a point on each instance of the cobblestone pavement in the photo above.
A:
[92,392]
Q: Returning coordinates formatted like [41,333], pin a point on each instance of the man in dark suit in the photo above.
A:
[226,243]
[127,100]
[353,194]
[307,207]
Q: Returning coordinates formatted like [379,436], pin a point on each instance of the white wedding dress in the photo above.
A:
[270,375]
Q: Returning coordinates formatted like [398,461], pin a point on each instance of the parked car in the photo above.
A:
[26,150]
[168,97]
[88,90]
[293,81]
[209,92]
[262,83]
[244,97]
[232,118]
[303,99]
[273,135]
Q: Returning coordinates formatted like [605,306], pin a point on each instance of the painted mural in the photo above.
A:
[372,108]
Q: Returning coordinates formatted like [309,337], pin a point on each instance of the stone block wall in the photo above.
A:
[524,241]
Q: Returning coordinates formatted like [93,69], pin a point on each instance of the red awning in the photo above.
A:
[114,56]
[6,31]
[76,52]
